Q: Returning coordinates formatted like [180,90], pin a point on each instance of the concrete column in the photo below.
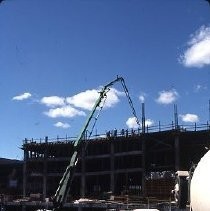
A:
[177,153]
[24,172]
[143,167]
[45,173]
[112,166]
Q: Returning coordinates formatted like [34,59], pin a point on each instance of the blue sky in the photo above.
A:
[56,54]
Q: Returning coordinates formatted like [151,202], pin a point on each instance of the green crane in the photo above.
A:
[65,183]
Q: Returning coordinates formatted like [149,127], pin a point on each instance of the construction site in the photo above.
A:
[121,169]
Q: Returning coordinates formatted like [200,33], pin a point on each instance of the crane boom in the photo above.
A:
[65,183]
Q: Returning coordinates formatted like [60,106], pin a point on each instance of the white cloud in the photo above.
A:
[198,52]
[189,118]
[65,107]
[53,101]
[131,123]
[65,111]
[23,96]
[167,97]
[62,125]
[113,97]
[87,99]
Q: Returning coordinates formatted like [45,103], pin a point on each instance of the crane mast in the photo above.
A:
[65,183]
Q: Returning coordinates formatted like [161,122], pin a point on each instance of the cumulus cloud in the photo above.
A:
[167,97]
[65,111]
[62,125]
[131,123]
[198,52]
[87,99]
[53,101]
[113,97]
[189,117]
[23,96]
[70,106]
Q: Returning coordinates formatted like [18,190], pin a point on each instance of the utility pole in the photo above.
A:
[176,116]
[143,118]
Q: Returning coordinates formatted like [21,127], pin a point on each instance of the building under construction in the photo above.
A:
[126,166]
